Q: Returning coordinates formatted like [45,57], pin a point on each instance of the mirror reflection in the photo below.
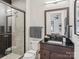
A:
[57,21]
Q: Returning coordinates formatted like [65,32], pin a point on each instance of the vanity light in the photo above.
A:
[54,1]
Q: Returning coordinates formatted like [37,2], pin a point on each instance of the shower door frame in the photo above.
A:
[24,20]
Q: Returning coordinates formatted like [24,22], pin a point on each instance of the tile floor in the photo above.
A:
[12,56]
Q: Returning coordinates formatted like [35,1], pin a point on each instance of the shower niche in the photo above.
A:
[12,33]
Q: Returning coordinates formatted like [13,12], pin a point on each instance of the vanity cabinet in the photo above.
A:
[52,51]
[59,56]
[45,54]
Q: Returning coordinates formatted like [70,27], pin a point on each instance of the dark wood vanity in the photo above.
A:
[5,40]
[54,51]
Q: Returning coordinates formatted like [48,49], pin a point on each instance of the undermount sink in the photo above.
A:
[54,42]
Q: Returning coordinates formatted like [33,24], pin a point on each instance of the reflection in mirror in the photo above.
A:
[56,21]
[11,31]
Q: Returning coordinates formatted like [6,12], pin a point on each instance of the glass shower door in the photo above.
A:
[12,31]
[17,32]
[2,30]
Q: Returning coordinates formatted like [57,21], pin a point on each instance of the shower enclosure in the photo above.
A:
[12,30]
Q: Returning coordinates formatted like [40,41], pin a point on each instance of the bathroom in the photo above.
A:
[34,20]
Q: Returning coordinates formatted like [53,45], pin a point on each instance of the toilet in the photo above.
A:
[31,54]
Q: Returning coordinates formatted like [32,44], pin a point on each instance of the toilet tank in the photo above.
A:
[34,45]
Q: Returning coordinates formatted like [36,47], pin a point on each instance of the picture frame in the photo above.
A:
[76,17]
[60,14]
[35,32]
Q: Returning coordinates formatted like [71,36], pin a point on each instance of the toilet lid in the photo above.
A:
[28,55]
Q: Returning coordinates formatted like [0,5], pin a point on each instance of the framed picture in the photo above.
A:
[36,32]
[76,17]
[57,21]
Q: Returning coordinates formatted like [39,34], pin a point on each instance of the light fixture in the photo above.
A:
[54,1]
[9,10]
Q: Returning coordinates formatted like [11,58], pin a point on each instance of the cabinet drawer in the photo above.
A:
[51,51]
[59,56]
[57,49]
[44,54]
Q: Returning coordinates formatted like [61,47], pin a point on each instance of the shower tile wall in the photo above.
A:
[18,33]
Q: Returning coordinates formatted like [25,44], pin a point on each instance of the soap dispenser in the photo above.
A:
[46,38]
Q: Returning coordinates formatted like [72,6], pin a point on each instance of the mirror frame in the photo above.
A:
[66,8]
[75,23]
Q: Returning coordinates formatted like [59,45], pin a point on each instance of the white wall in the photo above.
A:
[36,12]
[36,16]
[27,23]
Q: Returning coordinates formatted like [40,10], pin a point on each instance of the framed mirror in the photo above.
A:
[57,21]
[76,17]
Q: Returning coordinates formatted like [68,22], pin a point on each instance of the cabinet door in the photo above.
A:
[59,56]
[44,54]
